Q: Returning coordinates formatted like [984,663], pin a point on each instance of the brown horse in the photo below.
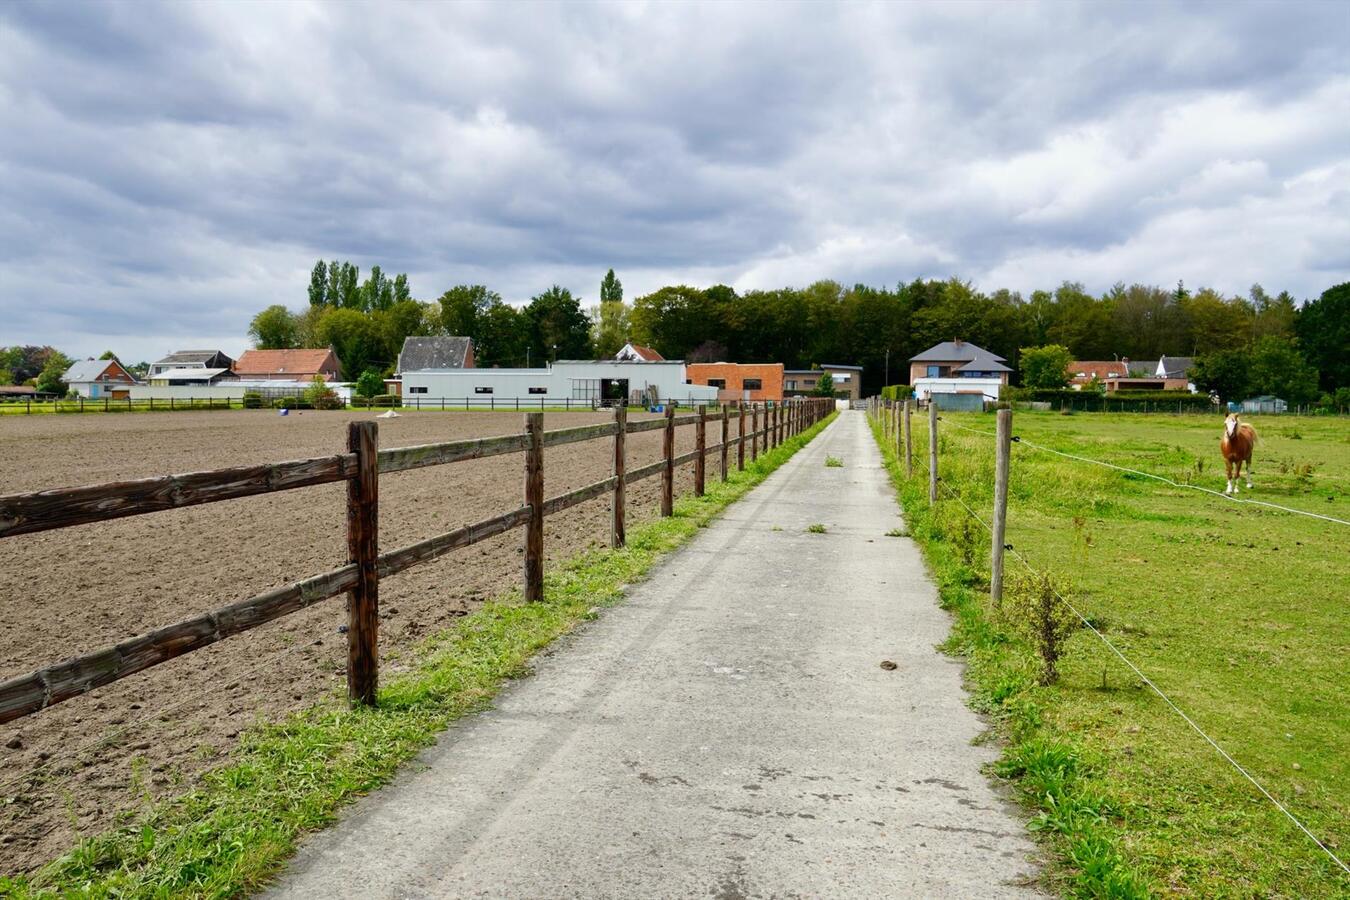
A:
[1236,445]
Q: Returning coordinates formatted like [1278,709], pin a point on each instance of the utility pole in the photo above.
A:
[888,368]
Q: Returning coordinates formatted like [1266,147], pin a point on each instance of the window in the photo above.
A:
[585,388]
[934,371]
[417,390]
[841,379]
[542,390]
[482,390]
[753,384]
[717,382]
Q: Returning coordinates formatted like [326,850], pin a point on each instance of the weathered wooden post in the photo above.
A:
[726,434]
[932,450]
[740,441]
[754,431]
[363,549]
[701,444]
[616,533]
[668,471]
[909,441]
[1003,450]
[534,498]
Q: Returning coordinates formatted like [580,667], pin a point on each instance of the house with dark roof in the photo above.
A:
[191,359]
[288,365]
[421,354]
[97,378]
[637,353]
[957,367]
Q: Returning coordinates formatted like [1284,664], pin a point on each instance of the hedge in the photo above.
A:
[1120,401]
[897,392]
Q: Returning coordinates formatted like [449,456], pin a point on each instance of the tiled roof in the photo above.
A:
[281,362]
[959,351]
[647,354]
[422,353]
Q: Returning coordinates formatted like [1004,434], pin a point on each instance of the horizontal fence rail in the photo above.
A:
[360,468]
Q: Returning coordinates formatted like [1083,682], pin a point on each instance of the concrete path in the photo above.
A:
[728,732]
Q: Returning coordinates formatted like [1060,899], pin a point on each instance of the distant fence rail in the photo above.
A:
[360,466]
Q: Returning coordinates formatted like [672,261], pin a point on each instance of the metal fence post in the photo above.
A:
[932,451]
[1003,446]
[363,549]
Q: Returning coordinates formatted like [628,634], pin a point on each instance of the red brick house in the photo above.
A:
[288,365]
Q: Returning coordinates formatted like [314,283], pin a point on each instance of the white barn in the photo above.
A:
[570,382]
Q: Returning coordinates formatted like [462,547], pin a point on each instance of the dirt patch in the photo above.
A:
[79,767]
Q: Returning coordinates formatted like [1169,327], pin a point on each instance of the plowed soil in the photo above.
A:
[77,767]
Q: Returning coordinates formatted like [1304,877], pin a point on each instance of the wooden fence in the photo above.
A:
[361,467]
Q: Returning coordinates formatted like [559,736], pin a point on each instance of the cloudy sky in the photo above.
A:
[168,170]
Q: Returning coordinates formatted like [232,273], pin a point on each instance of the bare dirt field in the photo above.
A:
[75,768]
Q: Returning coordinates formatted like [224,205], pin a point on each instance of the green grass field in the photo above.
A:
[1237,612]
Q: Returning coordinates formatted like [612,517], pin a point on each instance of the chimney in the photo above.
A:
[958,342]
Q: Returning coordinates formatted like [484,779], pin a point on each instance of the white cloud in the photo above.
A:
[166,171]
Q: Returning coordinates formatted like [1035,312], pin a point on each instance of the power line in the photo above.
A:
[1194,487]
[1148,681]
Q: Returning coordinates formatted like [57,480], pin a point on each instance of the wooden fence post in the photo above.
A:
[363,549]
[534,498]
[932,451]
[740,441]
[909,441]
[701,441]
[1003,446]
[726,434]
[754,431]
[668,471]
[616,533]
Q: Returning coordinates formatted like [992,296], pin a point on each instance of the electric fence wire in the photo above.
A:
[1144,678]
[1194,487]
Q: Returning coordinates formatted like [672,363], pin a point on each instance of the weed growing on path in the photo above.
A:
[816,528]
[833,462]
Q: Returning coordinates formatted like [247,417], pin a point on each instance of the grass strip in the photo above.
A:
[1046,768]
[243,821]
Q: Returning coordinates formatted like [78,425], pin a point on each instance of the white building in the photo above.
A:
[569,382]
[957,367]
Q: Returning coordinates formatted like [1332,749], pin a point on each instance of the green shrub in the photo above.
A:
[392,401]
[897,392]
[253,400]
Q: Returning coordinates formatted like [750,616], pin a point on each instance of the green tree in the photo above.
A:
[50,379]
[1225,374]
[1045,367]
[318,284]
[370,384]
[1278,368]
[377,292]
[558,328]
[320,395]
[503,336]
[332,294]
[399,322]
[356,338]
[824,386]
[1323,328]
[402,292]
[274,329]
[108,354]
[611,289]
[610,319]
[463,306]
[349,287]
[6,376]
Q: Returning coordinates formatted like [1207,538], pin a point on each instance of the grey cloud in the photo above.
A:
[168,170]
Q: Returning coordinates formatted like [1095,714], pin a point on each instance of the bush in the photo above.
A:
[291,403]
[370,384]
[253,400]
[1120,401]
[1032,606]
[897,392]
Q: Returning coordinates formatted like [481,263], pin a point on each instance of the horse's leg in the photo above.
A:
[1228,468]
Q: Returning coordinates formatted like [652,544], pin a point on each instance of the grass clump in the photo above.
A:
[897,532]
[833,462]
[816,528]
[243,820]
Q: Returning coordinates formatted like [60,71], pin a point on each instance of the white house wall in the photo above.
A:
[923,387]
[564,381]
